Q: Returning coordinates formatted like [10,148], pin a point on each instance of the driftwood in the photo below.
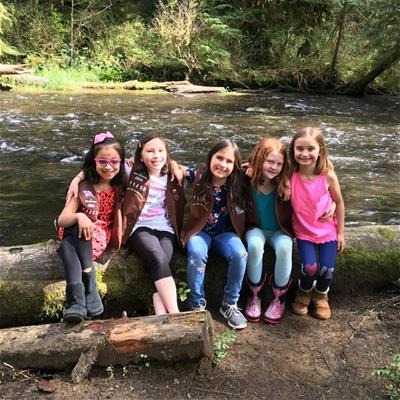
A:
[194,89]
[6,69]
[178,87]
[32,286]
[134,85]
[60,346]
[28,78]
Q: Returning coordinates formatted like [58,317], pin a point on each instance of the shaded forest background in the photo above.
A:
[321,45]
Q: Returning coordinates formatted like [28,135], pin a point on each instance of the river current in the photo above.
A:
[43,137]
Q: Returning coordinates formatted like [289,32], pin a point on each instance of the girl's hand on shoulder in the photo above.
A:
[73,189]
[329,213]
[249,171]
[341,244]
[85,226]
[130,161]
[177,172]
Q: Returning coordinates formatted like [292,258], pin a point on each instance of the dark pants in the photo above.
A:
[155,248]
[76,254]
[317,262]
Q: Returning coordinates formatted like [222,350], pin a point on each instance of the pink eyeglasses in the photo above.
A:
[104,162]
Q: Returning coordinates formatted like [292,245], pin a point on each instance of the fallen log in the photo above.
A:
[165,338]
[194,89]
[32,287]
[14,69]
[135,85]
[26,77]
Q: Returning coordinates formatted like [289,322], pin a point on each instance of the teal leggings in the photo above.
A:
[281,243]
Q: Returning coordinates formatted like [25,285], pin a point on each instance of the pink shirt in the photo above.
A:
[311,199]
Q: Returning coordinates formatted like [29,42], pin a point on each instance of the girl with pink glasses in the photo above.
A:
[90,222]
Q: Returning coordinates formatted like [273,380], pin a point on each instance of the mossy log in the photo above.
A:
[32,287]
[165,338]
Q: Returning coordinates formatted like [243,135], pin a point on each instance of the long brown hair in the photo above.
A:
[138,165]
[235,183]
[259,154]
[323,165]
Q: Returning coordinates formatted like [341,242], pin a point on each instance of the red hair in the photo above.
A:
[259,154]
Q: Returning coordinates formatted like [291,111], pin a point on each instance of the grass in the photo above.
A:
[60,79]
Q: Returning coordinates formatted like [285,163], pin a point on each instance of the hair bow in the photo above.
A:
[100,137]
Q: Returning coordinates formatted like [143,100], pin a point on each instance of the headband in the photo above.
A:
[102,136]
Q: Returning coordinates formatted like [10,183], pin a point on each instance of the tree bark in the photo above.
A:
[385,61]
[166,338]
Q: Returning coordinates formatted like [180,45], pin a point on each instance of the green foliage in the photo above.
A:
[180,279]
[392,375]
[5,23]
[268,43]
[221,345]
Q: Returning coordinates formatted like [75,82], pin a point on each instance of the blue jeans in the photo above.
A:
[317,263]
[281,243]
[227,245]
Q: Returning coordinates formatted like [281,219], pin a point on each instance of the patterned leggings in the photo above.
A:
[317,262]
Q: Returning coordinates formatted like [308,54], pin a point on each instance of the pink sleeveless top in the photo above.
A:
[310,199]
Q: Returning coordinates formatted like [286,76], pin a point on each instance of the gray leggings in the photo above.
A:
[155,248]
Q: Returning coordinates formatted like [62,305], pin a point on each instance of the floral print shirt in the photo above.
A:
[219,220]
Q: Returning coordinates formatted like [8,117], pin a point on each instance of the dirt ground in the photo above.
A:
[301,358]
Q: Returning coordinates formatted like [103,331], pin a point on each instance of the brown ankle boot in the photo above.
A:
[301,301]
[321,305]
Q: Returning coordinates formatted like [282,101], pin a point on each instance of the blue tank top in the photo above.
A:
[265,205]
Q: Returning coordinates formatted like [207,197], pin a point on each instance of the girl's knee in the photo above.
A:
[196,264]
[239,254]
[284,252]
[255,248]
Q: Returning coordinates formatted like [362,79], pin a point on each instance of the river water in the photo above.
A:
[43,137]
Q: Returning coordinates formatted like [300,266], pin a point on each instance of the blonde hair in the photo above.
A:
[323,165]
[259,154]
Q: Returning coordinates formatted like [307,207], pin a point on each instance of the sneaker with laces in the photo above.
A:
[233,316]
[201,306]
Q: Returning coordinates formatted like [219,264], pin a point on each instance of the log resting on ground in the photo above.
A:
[165,338]
[32,286]
[6,69]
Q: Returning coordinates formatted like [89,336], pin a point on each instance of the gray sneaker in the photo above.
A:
[200,307]
[234,317]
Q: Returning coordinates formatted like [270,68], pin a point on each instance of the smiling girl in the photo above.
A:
[314,187]
[217,223]
[269,163]
[152,213]
[91,221]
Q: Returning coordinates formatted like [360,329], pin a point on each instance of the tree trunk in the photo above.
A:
[165,338]
[385,61]
[333,76]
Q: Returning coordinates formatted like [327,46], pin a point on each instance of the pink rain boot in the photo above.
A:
[253,305]
[276,308]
